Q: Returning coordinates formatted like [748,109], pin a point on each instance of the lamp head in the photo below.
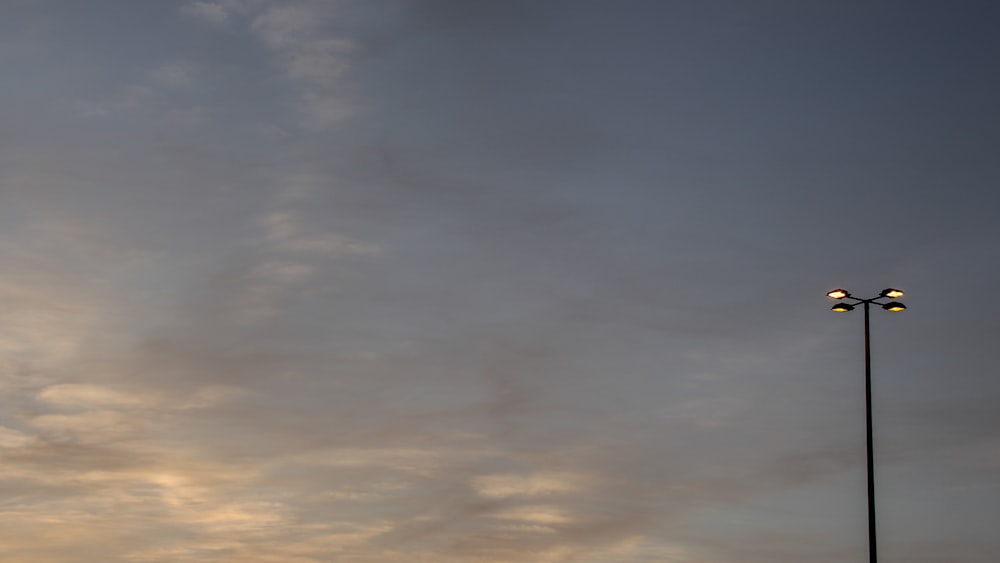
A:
[842,308]
[838,294]
[891,293]
[894,306]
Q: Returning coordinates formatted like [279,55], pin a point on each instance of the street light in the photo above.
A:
[844,307]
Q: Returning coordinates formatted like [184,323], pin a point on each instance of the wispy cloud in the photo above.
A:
[307,53]
[450,281]
[173,74]
[220,12]
[212,12]
[283,25]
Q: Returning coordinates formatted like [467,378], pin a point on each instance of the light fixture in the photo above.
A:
[892,293]
[894,306]
[842,308]
[837,294]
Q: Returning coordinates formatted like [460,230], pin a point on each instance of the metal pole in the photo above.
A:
[872,555]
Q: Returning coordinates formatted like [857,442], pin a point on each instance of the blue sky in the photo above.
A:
[451,281]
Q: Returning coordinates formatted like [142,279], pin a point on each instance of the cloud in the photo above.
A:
[135,96]
[285,25]
[89,396]
[280,225]
[510,485]
[321,62]
[292,251]
[284,230]
[86,396]
[45,326]
[539,514]
[277,273]
[185,118]
[330,244]
[480,323]
[322,111]
[311,56]
[173,74]
[159,94]
[10,438]
[211,12]
[220,12]
[305,50]
[92,426]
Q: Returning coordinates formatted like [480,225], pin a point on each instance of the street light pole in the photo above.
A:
[872,551]
[844,307]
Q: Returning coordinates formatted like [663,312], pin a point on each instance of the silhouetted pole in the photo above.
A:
[872,552]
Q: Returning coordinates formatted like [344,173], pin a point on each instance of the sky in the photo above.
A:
[455,281]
